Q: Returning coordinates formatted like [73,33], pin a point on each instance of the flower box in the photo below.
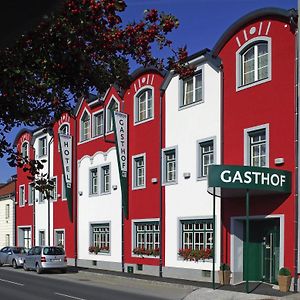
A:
[195,254]
[97,249]
[146,252]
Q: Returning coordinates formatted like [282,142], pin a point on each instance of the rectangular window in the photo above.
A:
[197,234]
[43,146]
[101,237]
[63,188]
[25,234]
[98,124]
[41,197]
[207,156]
[258,148]
[94,181]
[22,195]
[105,179]
[7,240]
[53,193]
[192,89]
[170,165]
[139,173]
[60,238]
[147,235]
[144,105]
[42,238]
[7,211]
[31,194]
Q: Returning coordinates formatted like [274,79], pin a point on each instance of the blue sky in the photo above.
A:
[202,22]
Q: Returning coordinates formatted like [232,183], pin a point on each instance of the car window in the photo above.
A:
[53,251]
[30,252]
[19,250]
[37,251]
[4,249]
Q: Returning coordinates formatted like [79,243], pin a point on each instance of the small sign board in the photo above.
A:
[251,178]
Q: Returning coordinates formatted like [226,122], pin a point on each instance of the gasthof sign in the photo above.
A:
[252,178]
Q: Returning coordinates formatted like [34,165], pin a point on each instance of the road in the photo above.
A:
[21,285]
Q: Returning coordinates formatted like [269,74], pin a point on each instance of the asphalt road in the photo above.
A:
[18,284]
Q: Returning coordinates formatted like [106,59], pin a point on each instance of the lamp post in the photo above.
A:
[48,194]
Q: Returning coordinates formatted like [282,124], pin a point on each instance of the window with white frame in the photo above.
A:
[113,106]
[197,234]
[105,179]
[7,211]
[42,146]
[7,240]
[25,237]
[60,238]
[42,237]
[53,192]
[31,194]
[22,195]
[85,129]
[98,124]
[207,156]
[170,166]
[255,62]
[147,235]
[139,174]
[41,197]
[94,179]
[144,105]
[63,188]
[258,148]
[192,89]
[101,237]
[24,150]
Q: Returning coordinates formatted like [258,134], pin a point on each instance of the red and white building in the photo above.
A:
[237,109]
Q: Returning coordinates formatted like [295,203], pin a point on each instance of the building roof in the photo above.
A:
[273,12]
[8,189]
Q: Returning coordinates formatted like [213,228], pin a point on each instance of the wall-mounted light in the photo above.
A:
[186,175]
[279,161]
[154,180]
[114,187]
[80,193]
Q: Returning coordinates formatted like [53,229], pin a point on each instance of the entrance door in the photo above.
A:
[263,257]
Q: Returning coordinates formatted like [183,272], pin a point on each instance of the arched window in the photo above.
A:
[64,129]
[24,150]
[113,106]
[144,105]
[255,63]
[85,131]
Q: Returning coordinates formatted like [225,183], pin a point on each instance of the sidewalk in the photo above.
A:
[196,290]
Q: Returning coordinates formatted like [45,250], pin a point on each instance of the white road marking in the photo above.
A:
[12,282]
[68,296]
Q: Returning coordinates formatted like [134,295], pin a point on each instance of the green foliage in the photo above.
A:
[224,267]
[284,272]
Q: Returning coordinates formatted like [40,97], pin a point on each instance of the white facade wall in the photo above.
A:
[7,222]
[100,208]
[41,208]
[189,199]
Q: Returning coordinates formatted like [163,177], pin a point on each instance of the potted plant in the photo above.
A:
[224,274]
[284,279]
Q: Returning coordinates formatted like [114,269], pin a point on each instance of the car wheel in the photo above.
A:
[25,266]
[14,264]
[64,270]
[1,264]
[38,269]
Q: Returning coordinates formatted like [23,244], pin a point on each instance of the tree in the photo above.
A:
[84,47]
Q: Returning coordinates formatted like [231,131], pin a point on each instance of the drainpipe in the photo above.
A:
[297,87]
[48,197]
[160,187]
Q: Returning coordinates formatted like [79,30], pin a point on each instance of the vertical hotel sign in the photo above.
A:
[65,142]
[120,121]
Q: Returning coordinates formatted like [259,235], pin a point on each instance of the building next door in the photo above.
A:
[263,248]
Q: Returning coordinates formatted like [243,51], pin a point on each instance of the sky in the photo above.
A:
[202,22]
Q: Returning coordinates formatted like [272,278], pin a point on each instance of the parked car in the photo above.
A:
[13,256]
[44,258]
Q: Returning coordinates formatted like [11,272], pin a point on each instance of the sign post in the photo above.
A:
[246,178]
[65,142]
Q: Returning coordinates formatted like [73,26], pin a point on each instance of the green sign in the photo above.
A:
[252,178]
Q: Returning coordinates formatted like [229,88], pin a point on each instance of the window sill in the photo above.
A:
[249,85]
[201,178]
[106,253]
[143,121]
[182,107]
[170,183]
[105,193]
[134,188]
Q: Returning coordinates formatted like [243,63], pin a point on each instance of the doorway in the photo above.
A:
[263,256]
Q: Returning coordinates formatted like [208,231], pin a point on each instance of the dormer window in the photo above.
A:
[24,150]
[254,63]
[113,106]
[85,127]
[144,105]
